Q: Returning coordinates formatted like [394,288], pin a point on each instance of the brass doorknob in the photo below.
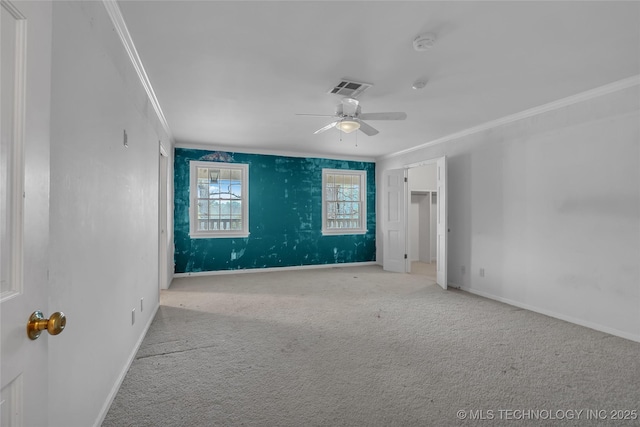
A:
[37,323]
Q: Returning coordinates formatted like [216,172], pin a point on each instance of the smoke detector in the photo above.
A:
[424,42]
[419,84]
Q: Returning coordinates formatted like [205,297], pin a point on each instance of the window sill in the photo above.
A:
[342,232]
[218,235]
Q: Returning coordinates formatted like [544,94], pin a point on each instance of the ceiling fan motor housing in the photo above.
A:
[352,110]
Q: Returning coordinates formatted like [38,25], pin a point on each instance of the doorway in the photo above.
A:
[421,224]
[394,222]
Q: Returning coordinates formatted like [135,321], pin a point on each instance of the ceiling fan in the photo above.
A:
[349,118]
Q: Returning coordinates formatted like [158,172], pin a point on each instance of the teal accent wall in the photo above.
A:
[285,216]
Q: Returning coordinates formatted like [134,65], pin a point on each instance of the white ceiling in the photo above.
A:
[234,74]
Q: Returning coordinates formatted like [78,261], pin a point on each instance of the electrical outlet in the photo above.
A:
[463,269]
[482,272]
[141,305]
[133,316]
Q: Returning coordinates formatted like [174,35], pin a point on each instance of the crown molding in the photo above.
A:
[560,103]
[121,28]
[260,151]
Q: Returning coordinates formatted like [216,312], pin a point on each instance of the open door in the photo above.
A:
[24,218]
[393,221]
[441,224]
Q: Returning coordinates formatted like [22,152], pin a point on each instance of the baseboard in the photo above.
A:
[269,269]
[570,319]
[123,373]
[453,285]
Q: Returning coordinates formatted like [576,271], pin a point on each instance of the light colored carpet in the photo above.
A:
[424,269]
[363,347]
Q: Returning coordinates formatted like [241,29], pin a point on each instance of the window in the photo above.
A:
[344,201]
[219,200]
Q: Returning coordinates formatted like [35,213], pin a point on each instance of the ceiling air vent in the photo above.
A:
[349,88]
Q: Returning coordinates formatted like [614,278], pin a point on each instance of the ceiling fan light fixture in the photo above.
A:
[348,126]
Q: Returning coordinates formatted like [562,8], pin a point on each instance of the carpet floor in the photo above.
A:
[358,346]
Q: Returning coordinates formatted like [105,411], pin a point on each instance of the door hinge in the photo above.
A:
[406,179]
[405,256]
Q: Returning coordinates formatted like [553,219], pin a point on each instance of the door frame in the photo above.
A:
[441,258]
[163,218]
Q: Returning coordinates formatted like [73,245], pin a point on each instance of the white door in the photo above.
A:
[25,74]
[441,222]
[394,220]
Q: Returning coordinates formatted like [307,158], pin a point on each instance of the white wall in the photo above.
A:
[414,227]
[103,212]
[549,206]
[425,228]
[422,178]
[433,228]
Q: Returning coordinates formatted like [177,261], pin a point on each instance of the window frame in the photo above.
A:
[194,233]
[362,229]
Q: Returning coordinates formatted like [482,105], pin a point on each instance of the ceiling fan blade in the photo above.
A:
[316,115]
[383,116]
[327,127]
[367,129]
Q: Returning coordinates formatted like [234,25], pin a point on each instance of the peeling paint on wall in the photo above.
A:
[285,216]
